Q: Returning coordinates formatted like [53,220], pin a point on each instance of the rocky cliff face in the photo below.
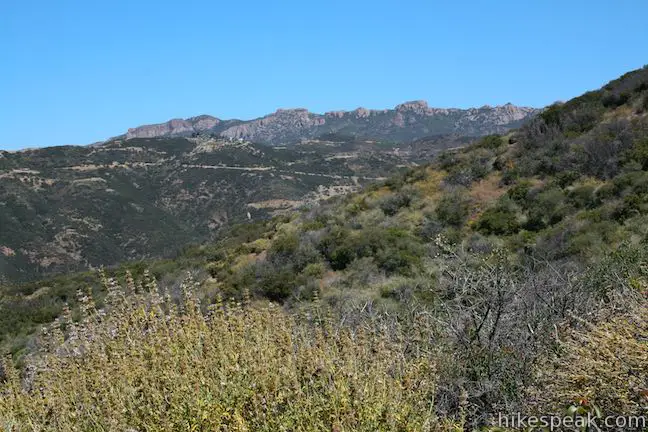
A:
[175,127]
[406,122]
[274,128]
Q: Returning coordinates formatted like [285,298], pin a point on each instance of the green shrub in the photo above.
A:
[490,142]
[584,196]
[551,115]
[395,182]
[430,228]
[549,206]
[630,206]
[391,204]
[510,175]
[644,104]
[519,192]
[613,100]
[293,252]
[639,152]
[605,191]
[313,225]
[479,163]
[593,237]
[284,245]
[335,248]
[447,159]
[566,178]
[497,221]
[452,235]
[394,250]
[453,208]
[314,270]
[275,284]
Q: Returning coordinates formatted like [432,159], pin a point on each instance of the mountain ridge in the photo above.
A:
[407,121]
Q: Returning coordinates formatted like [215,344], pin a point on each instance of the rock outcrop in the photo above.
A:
[406,122]
[175,127]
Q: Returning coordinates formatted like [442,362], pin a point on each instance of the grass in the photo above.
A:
[599,364]
[149,364]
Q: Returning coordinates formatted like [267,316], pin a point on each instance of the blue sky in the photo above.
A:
[76,72]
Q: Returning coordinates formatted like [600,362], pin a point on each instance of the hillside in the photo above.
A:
[160,187]
[506,276]
[406,122]
[70,208]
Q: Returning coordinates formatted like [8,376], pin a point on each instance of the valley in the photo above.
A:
[73,208]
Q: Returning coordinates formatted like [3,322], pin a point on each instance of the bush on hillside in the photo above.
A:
[391,204]
[519,192]
[306,253]
[276,284]
[584,197]
[549,206]
[395,250]
[612,100]
[497,221]
[453,207]
[639,152]
[490,142]
[643,107]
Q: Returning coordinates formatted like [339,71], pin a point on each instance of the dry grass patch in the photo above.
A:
[602,365]
[151,365]
[431,187]
[487,190]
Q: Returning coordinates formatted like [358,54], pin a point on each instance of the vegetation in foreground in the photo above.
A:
[148,364]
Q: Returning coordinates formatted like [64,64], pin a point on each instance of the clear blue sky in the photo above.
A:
[76,72]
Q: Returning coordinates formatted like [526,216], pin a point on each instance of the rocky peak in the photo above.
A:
[204,122]
[514,110]
[282,121]
[418,107]
[362,112]
[174,127]
[335,114]
[291,111]
[508,113]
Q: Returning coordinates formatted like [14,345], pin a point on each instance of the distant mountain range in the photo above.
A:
[406,122]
